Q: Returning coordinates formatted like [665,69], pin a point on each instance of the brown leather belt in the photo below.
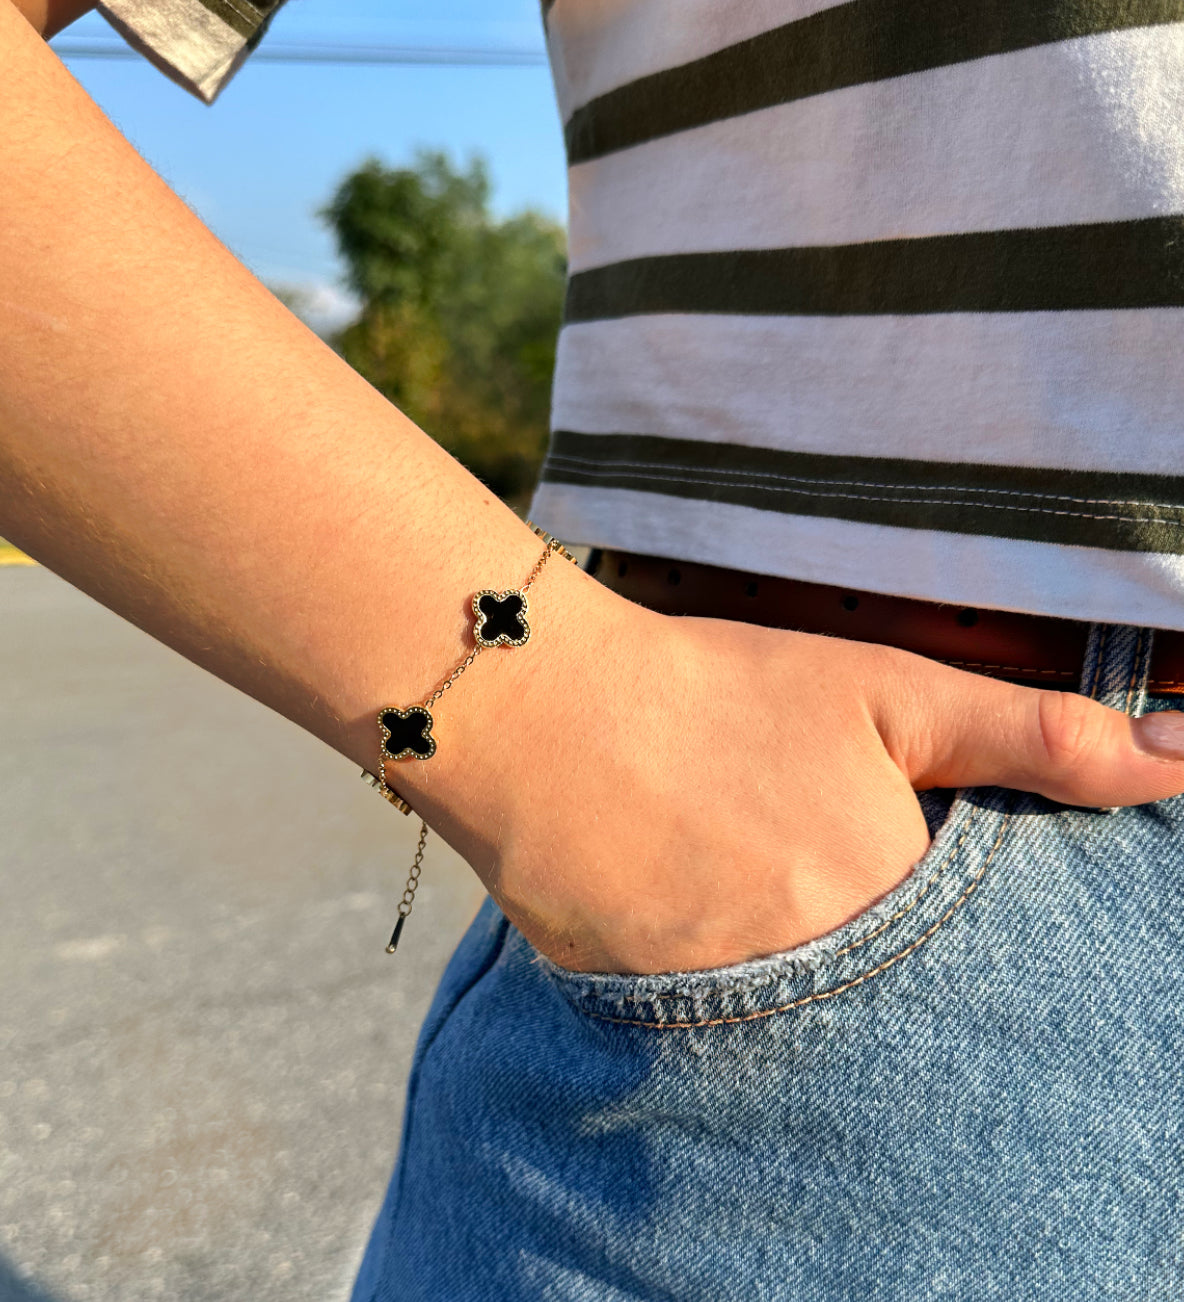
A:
[1023,648]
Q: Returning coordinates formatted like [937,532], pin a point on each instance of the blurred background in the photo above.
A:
[203,1046]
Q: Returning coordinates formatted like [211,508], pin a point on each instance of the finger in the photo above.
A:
[948,728]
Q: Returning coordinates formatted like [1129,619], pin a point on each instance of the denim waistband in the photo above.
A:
[1116,666]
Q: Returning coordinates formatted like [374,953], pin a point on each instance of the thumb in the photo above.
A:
[948,728]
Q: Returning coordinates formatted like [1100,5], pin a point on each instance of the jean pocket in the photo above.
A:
[965,842]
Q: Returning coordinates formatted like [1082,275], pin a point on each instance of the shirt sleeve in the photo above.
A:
[200,44]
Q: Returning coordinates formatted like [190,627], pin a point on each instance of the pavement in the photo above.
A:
[203,1046]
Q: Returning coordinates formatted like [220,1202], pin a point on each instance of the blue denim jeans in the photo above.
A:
[973,1090]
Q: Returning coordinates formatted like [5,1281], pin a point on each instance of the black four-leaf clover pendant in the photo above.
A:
[407,732]
[501,618]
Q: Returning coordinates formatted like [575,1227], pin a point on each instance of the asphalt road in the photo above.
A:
[203,1046]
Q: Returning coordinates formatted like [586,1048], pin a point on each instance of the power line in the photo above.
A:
[278,52]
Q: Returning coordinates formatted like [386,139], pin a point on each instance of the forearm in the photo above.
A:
[48,17]
[174,442]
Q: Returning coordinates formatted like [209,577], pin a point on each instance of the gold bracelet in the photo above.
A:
[500,620]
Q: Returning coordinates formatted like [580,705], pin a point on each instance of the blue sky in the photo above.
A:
[257,163]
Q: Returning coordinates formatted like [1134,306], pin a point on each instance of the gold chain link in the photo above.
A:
[408,901]
[452,677]
[552,546]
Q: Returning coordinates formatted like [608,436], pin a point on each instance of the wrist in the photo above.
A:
[507,729]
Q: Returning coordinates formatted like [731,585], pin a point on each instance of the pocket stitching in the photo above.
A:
[821,994]
[1136,665]
[940,871]
[1099,655]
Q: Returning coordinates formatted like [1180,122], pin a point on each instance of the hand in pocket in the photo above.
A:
[730,791]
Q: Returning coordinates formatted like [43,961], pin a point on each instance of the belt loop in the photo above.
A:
[1117,665]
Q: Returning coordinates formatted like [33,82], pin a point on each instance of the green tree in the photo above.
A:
[460,311]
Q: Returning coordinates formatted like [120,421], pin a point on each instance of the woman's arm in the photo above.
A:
[177,444]
[638,792]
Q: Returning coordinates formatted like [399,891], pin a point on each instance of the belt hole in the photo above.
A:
[675,577]
[850,603]
[750,590]
[622,569]
[968,618]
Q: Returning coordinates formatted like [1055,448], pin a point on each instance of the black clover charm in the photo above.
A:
[407,732]
[501,618]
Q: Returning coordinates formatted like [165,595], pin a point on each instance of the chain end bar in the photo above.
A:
[399,803]
[393,943]
[552,542]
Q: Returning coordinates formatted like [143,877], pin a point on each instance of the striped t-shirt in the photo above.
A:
[885,294]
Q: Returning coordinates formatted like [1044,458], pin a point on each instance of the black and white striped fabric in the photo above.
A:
[200,44]
[886,294]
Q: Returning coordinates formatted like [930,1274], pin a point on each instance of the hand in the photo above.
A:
[700,792]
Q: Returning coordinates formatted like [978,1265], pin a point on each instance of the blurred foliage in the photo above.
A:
[460,311]
[296,298]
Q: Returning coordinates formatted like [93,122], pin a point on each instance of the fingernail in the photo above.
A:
[1161,734]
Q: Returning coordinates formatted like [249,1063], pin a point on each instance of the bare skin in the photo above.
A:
[639,793]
